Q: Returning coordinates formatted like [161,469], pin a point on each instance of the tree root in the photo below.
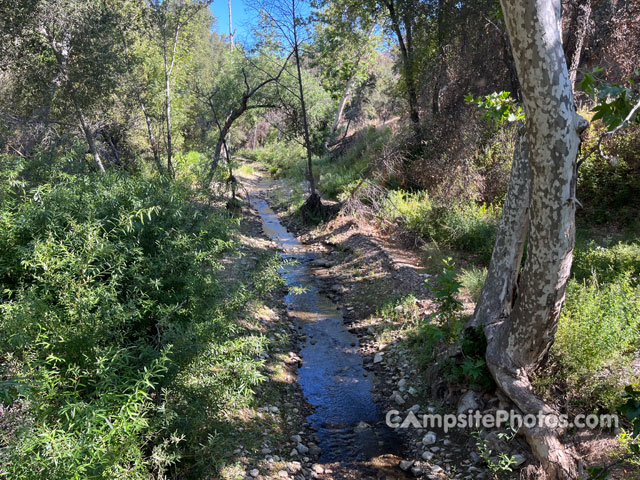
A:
[558,461]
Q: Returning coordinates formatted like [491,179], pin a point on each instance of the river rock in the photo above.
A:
[377,358]
[303,449]
[427,456]
[429,439]
[469,401]
[254,473]
[406,465]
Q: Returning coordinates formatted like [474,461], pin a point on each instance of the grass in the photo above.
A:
[598,333]
[472,280]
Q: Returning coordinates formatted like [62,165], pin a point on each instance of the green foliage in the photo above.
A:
[469,227]
[123,337]
[609,190]
[499,464]
[446,326]
[613,102]
[498,106]
[472,280]
[285,159]
[338,176]
[607,263]
[631,411]
[598,328]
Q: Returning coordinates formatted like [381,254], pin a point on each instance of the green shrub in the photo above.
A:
[598,330]
[607,263]
[124,346]
[287,159]
[470,228]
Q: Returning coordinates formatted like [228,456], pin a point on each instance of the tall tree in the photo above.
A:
[344,45]
[290,19]
[50,49]
[169,18]
[520,327]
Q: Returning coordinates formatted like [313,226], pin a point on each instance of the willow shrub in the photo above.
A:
[112,312]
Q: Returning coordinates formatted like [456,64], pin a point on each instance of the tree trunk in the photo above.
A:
[152,137]
[519,337]
[168,70]
[499,289]
[89,136]
[303,108]
[167,104]
[580,26]
[342,104]
[406,52]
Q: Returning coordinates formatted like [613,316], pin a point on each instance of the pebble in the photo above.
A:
[377,358]
[255,472]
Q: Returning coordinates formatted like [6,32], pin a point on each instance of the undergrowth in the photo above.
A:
[120,347]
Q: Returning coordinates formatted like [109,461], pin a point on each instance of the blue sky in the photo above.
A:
[241,14]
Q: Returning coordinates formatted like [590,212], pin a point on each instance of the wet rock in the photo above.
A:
[396,397]
[362,426]
[519,459]
[416,470]
[314,451]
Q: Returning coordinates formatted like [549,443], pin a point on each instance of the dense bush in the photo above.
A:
[609,188]
[607,263]
[470,227]
[598,331]
[117,336]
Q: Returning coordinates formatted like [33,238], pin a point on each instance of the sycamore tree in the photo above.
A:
[345,43]
[289,20]
[168,22]
[519,307]
[230,85]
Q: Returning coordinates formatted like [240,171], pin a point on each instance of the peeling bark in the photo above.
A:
[519,334]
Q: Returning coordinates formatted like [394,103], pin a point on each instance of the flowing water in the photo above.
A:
[332,375]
